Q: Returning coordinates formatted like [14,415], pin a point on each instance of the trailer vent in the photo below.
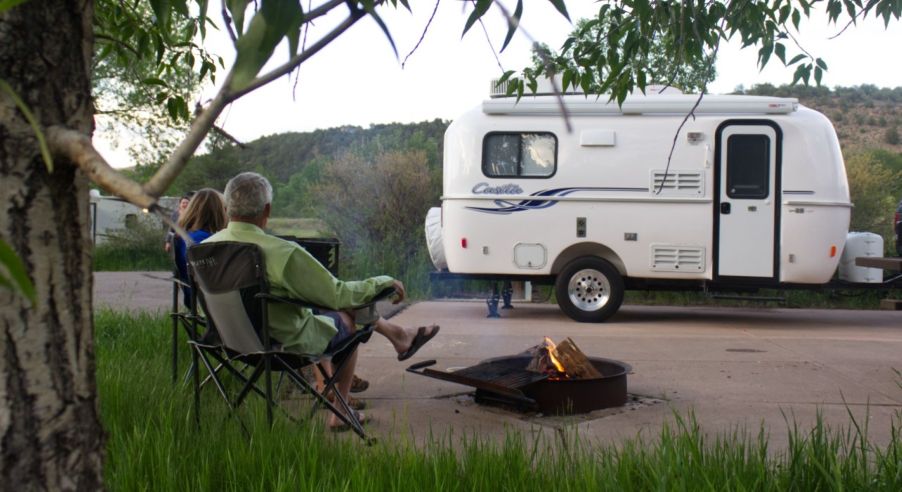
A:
[669,258]
[685,183]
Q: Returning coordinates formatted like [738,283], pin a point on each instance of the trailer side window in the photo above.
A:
[511,155]
[748,166]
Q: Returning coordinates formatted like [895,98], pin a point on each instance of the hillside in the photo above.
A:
[865,117]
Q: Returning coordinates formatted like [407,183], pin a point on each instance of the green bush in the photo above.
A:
[377,206]
[138,247]
[892,135]
[874,186]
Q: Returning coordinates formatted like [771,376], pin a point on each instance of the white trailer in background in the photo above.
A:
[751,192]
[112,215]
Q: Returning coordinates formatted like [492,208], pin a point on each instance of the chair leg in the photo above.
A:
[175,348]
[194,357]
[250,385]
[267,369]
[216,381]
[348,416]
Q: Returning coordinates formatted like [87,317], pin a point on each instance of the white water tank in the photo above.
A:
[861,244]
[434,238]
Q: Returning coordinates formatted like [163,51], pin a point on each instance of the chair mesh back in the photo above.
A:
[228,276]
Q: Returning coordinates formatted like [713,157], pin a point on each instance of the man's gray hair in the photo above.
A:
[247,194]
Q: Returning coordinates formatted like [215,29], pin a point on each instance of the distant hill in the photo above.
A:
[865,117]
[282,156]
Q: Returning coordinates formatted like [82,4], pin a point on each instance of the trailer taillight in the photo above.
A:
[463,242]
[832,250]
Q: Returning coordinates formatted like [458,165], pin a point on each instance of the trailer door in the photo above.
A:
[746,224]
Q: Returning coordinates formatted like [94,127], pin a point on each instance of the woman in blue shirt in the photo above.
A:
[204,216]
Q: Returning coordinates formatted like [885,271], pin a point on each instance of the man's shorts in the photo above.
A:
[344,332]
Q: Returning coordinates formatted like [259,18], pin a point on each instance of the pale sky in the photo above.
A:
[358,81]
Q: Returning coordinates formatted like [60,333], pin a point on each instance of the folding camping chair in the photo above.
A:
[231,286]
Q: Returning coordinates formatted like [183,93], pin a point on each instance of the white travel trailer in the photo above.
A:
[750,192]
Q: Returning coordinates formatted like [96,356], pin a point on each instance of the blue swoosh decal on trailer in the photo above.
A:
[505,207]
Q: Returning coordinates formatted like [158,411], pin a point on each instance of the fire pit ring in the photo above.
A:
[505,380]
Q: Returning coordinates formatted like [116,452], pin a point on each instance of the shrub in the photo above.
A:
[137,247]
[377,207]
[892,135]
[873,186]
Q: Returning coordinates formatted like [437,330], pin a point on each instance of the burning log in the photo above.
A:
[575,361]
[562,361]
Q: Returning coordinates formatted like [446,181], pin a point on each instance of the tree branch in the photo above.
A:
[227,20]
[77,147]
[200,127]
[322,10]
[422,36]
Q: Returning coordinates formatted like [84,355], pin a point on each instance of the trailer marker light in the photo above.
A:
[832,250]
[463,242]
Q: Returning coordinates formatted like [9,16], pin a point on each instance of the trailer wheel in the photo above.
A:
[589,289]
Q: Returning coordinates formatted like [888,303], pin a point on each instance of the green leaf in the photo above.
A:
[8,4]
[29,117]
[796,18]
[561,7]
[780,50]
[154,81]
[202,6]
[18,277]
[818,73]
[172,108]
[269,25]
[372,11]
[236,9]
[513,23]
[821,63]
[161,12]
[482,6]
[796,59]
[566,80]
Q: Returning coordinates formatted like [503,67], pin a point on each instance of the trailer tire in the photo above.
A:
[589,289]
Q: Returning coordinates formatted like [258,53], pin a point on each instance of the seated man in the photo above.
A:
[293,272]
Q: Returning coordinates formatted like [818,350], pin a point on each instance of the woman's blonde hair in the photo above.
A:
[205,212]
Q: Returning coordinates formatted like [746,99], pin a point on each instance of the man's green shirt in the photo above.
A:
[293,272]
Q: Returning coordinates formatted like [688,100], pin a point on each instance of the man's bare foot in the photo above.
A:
[423,335]
[336,425]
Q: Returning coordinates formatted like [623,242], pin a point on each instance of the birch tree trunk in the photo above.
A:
[50,431]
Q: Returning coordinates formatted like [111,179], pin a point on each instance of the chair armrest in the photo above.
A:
[179,282]
[384,294]
[290,300]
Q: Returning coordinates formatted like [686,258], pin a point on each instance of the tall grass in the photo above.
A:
[153,444]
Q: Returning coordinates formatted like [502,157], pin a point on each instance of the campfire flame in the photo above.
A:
[554,360]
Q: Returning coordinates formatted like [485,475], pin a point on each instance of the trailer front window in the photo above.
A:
[511,155]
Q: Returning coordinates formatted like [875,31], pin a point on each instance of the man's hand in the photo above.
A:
[400,293]
[167,246]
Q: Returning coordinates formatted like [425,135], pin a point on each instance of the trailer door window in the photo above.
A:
[509,155]
[748,166]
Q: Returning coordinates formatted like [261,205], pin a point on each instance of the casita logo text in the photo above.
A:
[505,189]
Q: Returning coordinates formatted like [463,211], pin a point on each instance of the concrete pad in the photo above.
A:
[734,368]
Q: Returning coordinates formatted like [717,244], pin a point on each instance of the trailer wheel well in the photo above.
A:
[587,249]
